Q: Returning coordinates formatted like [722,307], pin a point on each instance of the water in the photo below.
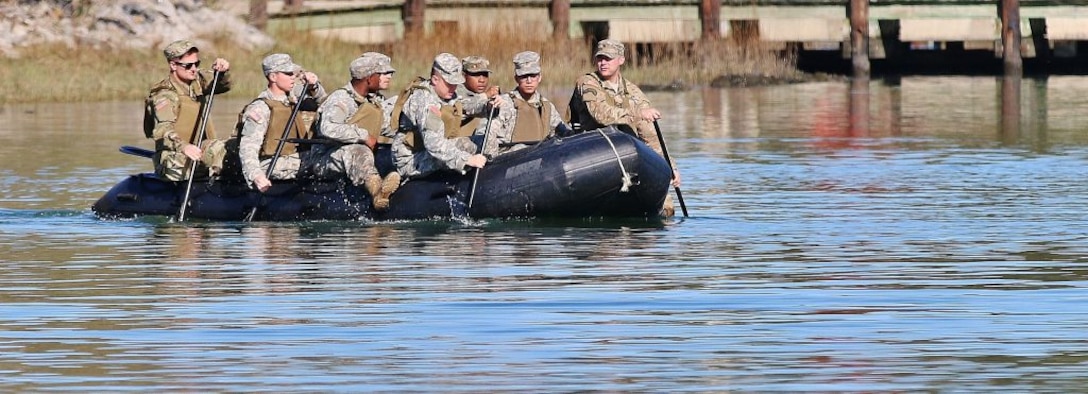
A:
[934,244]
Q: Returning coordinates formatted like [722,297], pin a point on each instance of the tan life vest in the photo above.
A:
[532,122]
[277,122]
[369,116]
[451,118]
[188,116]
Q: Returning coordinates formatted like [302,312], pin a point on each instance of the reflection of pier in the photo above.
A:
[970,36]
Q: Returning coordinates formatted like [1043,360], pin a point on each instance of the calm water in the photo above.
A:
[901,235]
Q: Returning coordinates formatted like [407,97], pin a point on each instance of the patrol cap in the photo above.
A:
[370,63]
[449,67]
[526,63]
[279,63]
[476,64]
[178,49]
[609,48]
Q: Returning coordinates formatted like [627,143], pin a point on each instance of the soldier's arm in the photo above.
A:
[425,114]
[165,105]
[638,98]
[334,125]
[387,116]
[222,86]
[554,120]
[254,127]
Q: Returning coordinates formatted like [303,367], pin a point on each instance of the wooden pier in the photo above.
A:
[854,31]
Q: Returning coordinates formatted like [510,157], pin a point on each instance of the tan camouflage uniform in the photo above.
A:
[164,108]
[596,103]
[525,63]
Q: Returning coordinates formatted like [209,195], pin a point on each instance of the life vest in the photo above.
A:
[369,116]
[277,122]
[188,116]
[532,122]
[579,113]
[451,118]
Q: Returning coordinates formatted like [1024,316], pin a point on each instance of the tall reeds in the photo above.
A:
[61,73]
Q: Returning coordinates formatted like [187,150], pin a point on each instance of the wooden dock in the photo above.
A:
[890,31]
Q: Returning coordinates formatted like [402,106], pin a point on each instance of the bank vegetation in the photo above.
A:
[75,72]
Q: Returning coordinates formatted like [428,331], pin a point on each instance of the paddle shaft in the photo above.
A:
[665,152]
[279,148]
[205,112]
[476,176]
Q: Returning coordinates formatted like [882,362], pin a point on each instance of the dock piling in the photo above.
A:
[1010,36]
[859,36]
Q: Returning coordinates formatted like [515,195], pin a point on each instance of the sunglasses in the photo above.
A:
[188,65]
[288,73]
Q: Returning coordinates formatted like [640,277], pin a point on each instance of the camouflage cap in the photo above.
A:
[526,63]
[178,49]
[370,63]
[476,64]
[279,63]
[609,48]
[449,67]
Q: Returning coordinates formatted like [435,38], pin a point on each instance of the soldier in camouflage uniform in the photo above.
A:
[172,114]
[262,122]
[529,117]
[430,137]
[477,72]
[605,98]
[356,118]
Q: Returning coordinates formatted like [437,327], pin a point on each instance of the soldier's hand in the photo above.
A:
[477,161]
[221,65]
[310,78]
[675,178]
[491,92]
[650,114]
[262,183]
[191,151]
[371,142]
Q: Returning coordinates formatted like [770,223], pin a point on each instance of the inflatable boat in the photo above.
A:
[598,173]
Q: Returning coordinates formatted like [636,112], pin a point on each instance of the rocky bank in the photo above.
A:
[122,24]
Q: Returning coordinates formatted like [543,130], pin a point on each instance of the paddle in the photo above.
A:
[137,151]
[665,152]
[476,176]
[205,113]
[279,148]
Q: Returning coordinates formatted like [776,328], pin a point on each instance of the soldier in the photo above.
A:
[530,117]
[477,73]
[172,114]
[356,118]
[604,98]
[262,122]
[430,137]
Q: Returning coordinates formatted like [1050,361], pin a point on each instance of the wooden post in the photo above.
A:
[1010,107]
[1010,36]
[559,12]
[412,15]
[710,14]
[859,36]
[258,13]
[859,106]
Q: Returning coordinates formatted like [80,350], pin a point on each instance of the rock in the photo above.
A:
[122,24]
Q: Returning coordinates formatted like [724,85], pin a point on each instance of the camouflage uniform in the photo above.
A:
[531,113]
[172,116]
[348,153]
[419,116]
[255,120]
[596,103]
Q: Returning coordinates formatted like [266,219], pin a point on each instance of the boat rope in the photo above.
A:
[626,178]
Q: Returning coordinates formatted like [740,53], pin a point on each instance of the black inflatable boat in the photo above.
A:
[599,173]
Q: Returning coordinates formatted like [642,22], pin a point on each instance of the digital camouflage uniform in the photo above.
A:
[349,120]
[523,121]
[172,118]
[443,148]
[256,145]
[596,103]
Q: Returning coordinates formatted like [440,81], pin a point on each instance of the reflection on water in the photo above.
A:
[904,235]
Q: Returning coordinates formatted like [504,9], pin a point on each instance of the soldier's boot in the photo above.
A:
[389,185]
[667,209]
[373,185]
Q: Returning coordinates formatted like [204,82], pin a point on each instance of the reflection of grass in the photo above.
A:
[58,73]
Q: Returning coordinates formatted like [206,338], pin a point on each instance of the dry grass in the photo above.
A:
[57,73]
